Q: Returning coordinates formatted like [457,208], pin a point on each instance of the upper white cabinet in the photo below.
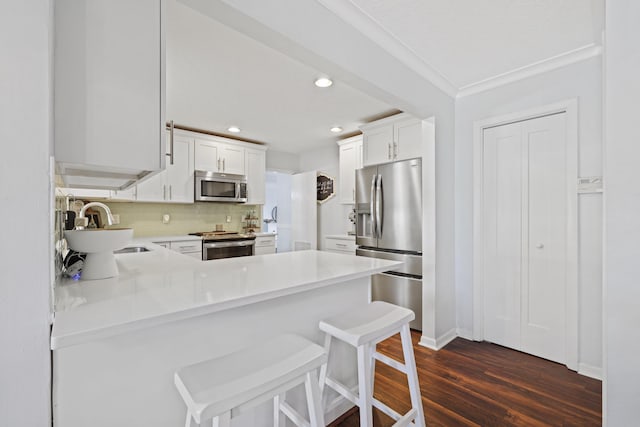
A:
[175,183]
[214,155]
[206,155]
[397,137]
[256,175]
[350,160]
[109,91]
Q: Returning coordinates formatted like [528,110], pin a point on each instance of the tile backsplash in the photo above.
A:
[146,218]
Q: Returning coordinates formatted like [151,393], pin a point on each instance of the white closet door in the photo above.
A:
[525,238]
[545,239]
[502,230]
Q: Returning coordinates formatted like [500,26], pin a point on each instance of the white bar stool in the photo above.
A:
[363,329]
[213,388]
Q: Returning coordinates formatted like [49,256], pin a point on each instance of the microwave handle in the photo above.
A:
[238,190]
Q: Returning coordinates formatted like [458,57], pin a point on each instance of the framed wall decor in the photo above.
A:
[325,187]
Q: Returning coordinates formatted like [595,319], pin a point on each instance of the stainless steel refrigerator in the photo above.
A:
[389,226]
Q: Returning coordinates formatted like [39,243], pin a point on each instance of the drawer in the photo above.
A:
[265,241]
[187,246]
[264,250]
[340,245]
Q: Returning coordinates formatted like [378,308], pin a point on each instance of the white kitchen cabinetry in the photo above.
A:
[341,244]
[397,137]
[109,87]
[83,193]
[214,155]
[256,176]
[128,195]
[265,244]
[175,183]
[192,248]
[350,160]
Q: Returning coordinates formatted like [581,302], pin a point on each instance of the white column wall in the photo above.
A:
[25,108]
[622,215]
[581,80]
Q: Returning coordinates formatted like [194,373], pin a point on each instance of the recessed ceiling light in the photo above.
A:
[336,129]
[234,129]
[323,82]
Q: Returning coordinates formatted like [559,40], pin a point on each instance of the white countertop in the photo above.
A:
[161,286]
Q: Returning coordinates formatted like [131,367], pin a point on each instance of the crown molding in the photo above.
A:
[555,62]
[371,29]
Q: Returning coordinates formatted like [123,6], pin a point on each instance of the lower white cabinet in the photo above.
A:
[192,248]
[265,245]
[341,244]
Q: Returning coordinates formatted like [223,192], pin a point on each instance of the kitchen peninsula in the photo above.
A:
[117,342]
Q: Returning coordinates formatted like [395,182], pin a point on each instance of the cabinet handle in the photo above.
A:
[341,245]
[354,194]
[170,196]
[223,165]
[164,192]
[395,150]
[219,163]
[170,153]
[389,151]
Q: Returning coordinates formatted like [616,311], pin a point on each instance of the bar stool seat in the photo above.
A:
[363,329]
[213,388]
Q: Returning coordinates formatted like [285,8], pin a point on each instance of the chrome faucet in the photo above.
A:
[82,221]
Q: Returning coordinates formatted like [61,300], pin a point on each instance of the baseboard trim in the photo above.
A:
[467,334]
[590,371]
[440,342]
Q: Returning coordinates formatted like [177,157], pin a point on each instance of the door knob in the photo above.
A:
[539,246]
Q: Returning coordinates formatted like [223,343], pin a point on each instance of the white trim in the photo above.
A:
[558,61]
[439,342]
[590,371]
[371,29]
[467,334]
[570,107]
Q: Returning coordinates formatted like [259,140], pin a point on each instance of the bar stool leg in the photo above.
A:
[223,420]
[412,374]
[278,419]
[365,389]
[324,368]
[190,422]
[314,400]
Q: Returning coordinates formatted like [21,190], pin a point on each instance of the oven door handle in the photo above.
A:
[238,243]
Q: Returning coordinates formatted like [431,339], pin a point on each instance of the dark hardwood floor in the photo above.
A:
[481,384]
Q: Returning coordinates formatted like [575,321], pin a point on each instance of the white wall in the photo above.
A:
[622,215]
[583,81]
[332,215]
[282,162]
[26,212]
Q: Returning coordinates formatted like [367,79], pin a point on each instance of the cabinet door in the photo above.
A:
[180,175]
[152,189]
[348,160]
[378,145]
[408,139]
[232,159]
[109,84]
[256,176]
[359,154]
[206,156]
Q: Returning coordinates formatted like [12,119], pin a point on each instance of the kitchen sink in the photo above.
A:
[131,250]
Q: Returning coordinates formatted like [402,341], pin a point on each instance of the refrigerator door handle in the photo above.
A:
[372,207]
[379,209]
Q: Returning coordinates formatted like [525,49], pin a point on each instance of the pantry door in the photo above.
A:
[525,220]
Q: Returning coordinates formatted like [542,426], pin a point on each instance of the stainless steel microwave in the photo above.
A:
[220,187]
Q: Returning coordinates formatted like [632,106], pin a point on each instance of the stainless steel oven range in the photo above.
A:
[224,244]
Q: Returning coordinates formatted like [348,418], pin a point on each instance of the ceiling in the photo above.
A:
[218,77]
